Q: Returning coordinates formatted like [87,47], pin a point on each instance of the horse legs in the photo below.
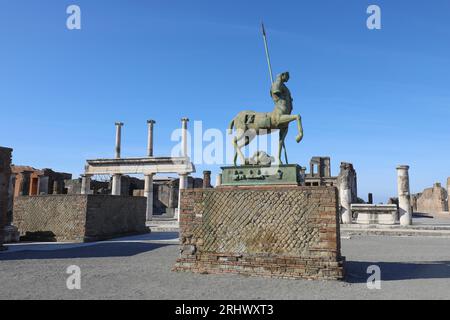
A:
[286,119]
[282,136]
[237,149]
[242,139]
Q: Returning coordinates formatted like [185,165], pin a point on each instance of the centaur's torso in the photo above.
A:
[282,98]
[283,101]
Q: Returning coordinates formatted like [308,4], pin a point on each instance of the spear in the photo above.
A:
[267,52]
[271,74]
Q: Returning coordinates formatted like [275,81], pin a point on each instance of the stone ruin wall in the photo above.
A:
[431,201]
[5,175]
[80,218]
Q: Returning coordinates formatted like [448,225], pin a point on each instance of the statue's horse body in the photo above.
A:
[249,124]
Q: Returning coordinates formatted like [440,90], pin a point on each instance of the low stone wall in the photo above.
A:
[286,232]
[80,218]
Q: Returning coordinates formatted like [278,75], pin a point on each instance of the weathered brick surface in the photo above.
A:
[287,232]
[5,173]
[79,217]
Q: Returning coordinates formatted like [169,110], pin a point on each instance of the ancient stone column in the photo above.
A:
[345,194]
[150,124]
[25,184]
[207,179]
[116,185]
[346,199]
[181,186]
[148,193]
[118,138]
[85,184]
[448,194]
[370,198]
[12,184]
[218,180]
[117,178]
[184,142]
[302,176]
[404,197]
[57,187]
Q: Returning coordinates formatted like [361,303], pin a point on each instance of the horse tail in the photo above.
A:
[230,127]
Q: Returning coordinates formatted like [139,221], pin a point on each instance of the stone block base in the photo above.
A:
[252,175]
[375,214]
[270,231]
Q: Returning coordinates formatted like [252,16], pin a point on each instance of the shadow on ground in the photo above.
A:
[98,250]
[356,271]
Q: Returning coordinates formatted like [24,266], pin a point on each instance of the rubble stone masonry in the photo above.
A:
[5,173]
[81,218]
[284,232]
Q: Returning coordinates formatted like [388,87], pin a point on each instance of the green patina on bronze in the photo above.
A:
[288,174]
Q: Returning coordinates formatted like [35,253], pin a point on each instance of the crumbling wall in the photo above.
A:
[347,177]
[5,175]
[448,194]
[431,201]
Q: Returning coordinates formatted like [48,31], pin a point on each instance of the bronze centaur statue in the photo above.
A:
[249,124]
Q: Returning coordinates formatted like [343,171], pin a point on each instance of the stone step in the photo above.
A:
[159,225]
[402,232]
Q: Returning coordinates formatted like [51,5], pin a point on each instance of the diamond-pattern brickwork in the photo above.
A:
[270,231]
[79,217]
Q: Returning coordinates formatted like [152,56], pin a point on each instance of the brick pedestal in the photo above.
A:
[285,232]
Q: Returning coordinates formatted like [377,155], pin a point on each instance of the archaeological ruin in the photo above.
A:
[31,181]
[78,218]
[432,201]
[51,206]
[5,176]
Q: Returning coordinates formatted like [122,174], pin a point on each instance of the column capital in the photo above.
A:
[185,119]
[119,124]
[403,167]
[150,121]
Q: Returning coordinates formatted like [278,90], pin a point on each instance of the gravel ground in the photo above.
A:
[139,268]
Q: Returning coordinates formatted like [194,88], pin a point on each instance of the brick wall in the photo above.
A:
[78,217]
[289,232]
[5,173]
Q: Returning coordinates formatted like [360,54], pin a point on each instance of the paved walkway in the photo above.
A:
[139,268]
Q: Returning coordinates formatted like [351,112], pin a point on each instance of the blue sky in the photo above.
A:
[374,98]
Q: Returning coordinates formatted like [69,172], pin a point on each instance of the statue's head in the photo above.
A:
[284,76]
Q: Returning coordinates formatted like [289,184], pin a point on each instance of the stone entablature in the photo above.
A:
[386,214]
[275,231]
[146,166]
